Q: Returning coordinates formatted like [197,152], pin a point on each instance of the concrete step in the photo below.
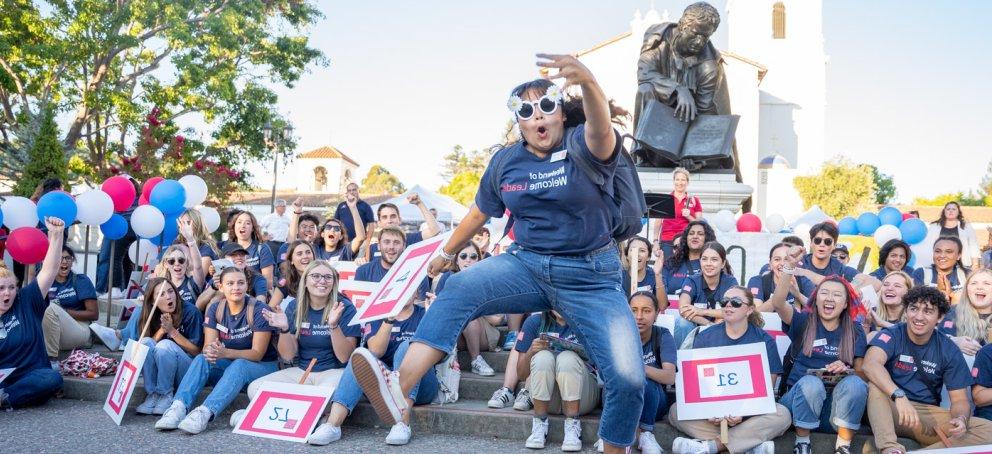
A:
[496,360]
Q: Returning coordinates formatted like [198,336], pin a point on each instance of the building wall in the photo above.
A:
[300,175]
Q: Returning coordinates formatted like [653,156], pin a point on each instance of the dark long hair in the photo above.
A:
[890,246]
[845,351]
[957,241]
[571,105]
[256,230]
[343,242]
[453,265]
[289,272]
[722,252]
[943,217]
[681,253]
[47,185]
[149,306]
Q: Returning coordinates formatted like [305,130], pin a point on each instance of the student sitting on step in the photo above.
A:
[701,293]
[479,335]
[658,352]
[72,306]
[299,255]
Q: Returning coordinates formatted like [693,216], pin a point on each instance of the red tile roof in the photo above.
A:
[326,152]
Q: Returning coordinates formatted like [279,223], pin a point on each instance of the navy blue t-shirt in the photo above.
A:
[919,276]
[257,288]
[343,214]
[191,326]
[948,327]
[982,373]
[22,343]
[189,291]
[342,253]
[666,348]
[757,287]
[557,209]
[700,294]
[411,238]
[647,284]
[672,279]
[235,332]
[314,339]
[716,336]
[834,266]
[259,256]
[402,330]
[826,346]
[880,272]
[374,272]
[535,325]
[921,370]
[71,293]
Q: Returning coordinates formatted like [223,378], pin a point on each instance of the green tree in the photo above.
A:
[106,64]
[986,185]
[969,199]
[463,187]
[885,187]
[46,159]
[840,188]
[460,161]
[381,181]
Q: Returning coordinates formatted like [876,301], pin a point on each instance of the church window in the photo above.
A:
[778,21]
[319,179]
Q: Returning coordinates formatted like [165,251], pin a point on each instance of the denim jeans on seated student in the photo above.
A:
[682,329]
[585,290]
[226,376]
[807,396]
[655,405]
[165,366]
[349,392]
[32,388]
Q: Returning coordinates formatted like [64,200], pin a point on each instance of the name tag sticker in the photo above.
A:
[395,329]
[558,155]
[305,325]
[906,359]
[222,328]
[819,342]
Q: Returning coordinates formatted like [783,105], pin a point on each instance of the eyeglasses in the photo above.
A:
[526,109]
[472,256]
[826,241]
[175,260]
[332,227]
[67,258]
[735,302]
[321,277]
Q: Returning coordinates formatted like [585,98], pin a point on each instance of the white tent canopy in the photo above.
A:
[448,210]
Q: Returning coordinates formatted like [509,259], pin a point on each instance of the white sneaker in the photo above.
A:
[501,398]
[164,401]
[572,441]
[55,365]
[599,445]
[325,434]
[170,419]
[687,446]
[481,367]
[523,402]
[399,435]
[767,447]
[196,421]
[647,443]
[538,434]
[236,418]
[107,335]
[381,386]
[148,406]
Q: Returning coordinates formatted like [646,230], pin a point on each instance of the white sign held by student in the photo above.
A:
[4,373]
[285,411]
[358,292]
[723,381]
[346,270]
[401,281]
[124,382]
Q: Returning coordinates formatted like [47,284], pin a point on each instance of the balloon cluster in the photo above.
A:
[748,222]
[161,202]
[889,224]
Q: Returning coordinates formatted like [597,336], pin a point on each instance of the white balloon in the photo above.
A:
[144,252]
[211,218]
[147,221]
[885,233]
[94,207]
[19,212]
[196,190]
[774,223]
[725,221]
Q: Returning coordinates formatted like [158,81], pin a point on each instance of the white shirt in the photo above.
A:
[276,226]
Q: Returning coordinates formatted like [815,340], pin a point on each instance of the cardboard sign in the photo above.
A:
[4,373]
[773,326]
[285,411]
[357,291]
[402,280]
[124,382]
[962,450]
[346,270]
[723,381]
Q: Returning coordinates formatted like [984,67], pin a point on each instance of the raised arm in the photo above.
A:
[432,226]
[53,258]
[782,285]
[358,225]
[196,261]
[599,134]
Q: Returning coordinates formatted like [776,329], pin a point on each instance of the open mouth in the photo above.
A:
[919,324]
[889,294]
[321,288]
[542,132]
[829,308]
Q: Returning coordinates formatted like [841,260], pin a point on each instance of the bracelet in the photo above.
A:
[391,321]
[446,256]
[284,331]
[332,328]
[297,212]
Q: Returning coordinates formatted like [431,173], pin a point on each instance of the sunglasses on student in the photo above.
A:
[820,240]
[527,109]
[175,260]
[332,227]
[472,256]
[735,302]
[321,277]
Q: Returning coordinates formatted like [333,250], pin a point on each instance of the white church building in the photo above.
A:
[775,66]
[325,170]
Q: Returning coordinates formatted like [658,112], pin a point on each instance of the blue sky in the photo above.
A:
[906,81]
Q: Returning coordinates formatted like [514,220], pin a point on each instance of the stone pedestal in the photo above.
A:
[716,191]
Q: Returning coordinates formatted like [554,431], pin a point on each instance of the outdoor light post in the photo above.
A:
[276,142]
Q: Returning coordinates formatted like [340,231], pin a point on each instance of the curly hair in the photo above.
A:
[571,106]
[926,294]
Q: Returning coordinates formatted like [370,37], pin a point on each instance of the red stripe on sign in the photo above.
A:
[313,412]
[115,405]
[692,378]
[384,307]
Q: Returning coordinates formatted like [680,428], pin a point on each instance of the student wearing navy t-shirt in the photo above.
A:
[22,343]
[302,226]
[237,349]
[895,255]
[947,273]
[334,244]
[393,242]
[355,213]
[763,285]
[826,337]
[742,324]
[968,321]
[239,257]
[907,365]
[242,229]
[982,391]
[72,306]
[564,256]
[684,262]
[183,267]
[701,293]
[291,270]
[658,355]
[207,246]
[648,279]
[174,337]
[890,309]
[820,263]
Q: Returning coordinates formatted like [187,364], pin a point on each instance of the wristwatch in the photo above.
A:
[391,321]
[897,394]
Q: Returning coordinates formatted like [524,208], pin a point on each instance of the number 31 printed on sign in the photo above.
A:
[716,382]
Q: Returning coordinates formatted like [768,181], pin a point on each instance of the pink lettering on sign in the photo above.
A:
[384,307]
[693,393]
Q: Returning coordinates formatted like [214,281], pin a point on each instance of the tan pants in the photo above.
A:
[62,332]
[492,334]
[753,431]
[564,377]
[883,416]
[328,378]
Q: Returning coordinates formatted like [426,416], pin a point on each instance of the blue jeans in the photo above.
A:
[586,290]
[103,262]
[807,396]
[226,376]
[32,388]
[165,366]
[682,329]
[349,392]
[655,404]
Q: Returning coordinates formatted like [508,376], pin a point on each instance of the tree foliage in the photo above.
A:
[45,158]
[463,187]
[985,187]
[970,199]
[840,188]
[106,64]
[459,161]
[885,187]
[381,181]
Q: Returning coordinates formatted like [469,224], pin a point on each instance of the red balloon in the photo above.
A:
[121,191]
[748,222]
[27,245]
[908,216]
[146,190]
[142,200]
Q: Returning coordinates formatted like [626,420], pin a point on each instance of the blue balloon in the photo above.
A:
[115,228]
[868,223]
[168,196]
[890,216]
[913,230]
[169,233]
[57,204]
[848,226]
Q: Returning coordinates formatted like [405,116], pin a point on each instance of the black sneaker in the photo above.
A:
[802,448]
[843,450]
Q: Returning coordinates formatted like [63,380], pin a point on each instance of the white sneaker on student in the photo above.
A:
[381,386]
[170,419]
[236,417]
[767,447]
[196,421]
[325,434]
[598,446]
[399,435]
[148,406]
[106,335]
[687,446]
[572,441]
[647,443]
[501,398]
[523,402]
[164,401]
[538,434]
[481,367]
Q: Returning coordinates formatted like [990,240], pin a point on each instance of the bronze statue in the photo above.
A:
[681,69]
